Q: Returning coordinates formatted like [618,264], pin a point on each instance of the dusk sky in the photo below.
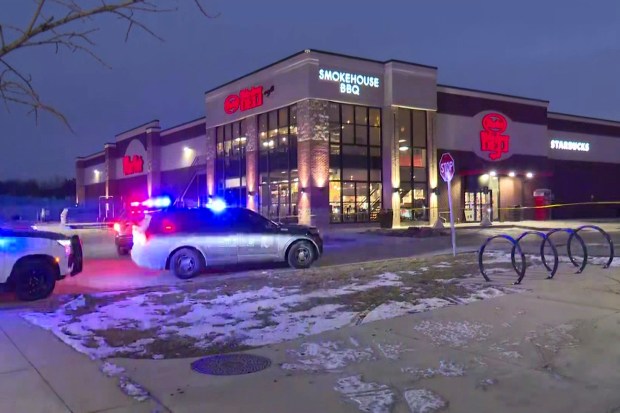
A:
[569,55]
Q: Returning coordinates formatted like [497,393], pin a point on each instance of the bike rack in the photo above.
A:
[515,246]
[556,259]
[546,239]
[573,234]
[603,233]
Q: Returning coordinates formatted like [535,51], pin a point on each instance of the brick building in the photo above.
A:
[325,138]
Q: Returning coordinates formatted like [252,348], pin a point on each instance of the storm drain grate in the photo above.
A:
[230,364]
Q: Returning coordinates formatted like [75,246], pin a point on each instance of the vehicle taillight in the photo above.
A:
[117,227]
[168,226]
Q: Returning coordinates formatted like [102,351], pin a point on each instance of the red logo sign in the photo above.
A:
[491,138]
[132,165]
[446,167]
[246,99]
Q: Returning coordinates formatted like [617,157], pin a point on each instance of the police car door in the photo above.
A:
[257,237]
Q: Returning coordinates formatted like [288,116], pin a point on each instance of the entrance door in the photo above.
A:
[476,203]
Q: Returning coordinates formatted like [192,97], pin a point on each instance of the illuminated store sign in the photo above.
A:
[246,99]
[350,83]
[492,139]
[570,145]
[133,165]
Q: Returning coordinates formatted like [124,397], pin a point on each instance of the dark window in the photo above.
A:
[230,163]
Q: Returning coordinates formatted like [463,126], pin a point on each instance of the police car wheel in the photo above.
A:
[301,255]
[186,263]
[35,279]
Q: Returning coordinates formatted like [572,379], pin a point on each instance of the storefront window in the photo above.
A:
[230,163]
[355,163]
[413,169]
[278,164]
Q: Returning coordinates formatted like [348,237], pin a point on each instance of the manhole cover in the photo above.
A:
[230,364]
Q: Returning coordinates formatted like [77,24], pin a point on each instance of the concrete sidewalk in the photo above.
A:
[40,374]
[551,349]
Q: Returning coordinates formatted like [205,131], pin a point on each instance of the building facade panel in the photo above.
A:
[320,138]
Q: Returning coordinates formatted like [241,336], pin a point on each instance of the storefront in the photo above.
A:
[324,138]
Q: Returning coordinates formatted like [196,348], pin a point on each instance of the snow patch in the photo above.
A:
[453,333]
[370,397]
[132,389]
[111,369]
[391,351]
[424,401]
[393,309]
[446,369]
[326,356]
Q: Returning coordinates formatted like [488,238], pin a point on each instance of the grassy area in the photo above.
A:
[209,316]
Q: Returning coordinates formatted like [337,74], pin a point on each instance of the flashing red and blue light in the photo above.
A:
[216,205]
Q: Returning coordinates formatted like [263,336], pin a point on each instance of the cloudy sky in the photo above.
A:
[565,52]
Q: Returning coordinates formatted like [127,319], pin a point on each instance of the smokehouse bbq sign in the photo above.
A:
[350,83]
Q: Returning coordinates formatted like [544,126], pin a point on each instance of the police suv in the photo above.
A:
[32,261]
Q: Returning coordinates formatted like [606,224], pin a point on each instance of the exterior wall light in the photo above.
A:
[493,173]
[512,174]
[529,175]
[435,191]
[304,190]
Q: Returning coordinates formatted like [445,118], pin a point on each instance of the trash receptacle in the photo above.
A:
[386,218]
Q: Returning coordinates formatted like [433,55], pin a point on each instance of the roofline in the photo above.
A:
[91,156]
[320,52]
[569,115]
[136,127]
[171,129]
[491,93]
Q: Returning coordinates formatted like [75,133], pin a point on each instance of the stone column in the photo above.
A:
[431,163]
[313,162]
[153,161]
[80,188]
[252,181]
[210,162]
[391,162]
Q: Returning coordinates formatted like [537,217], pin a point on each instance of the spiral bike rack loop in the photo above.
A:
[572,233]
[602,232]
[515,247]
[556,259]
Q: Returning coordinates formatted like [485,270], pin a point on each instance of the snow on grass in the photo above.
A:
[370,397]
[251,318]
[327,356]
[424,401]
[453,333]
[187,321]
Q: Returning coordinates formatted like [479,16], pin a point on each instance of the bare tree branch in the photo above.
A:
[44,29]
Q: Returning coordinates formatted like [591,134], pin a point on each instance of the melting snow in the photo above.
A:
[132,389]
[111,370]
[393,309]
[424,401]
[446,369]
[453,333]
[326,356]
[370,397]
[209,322]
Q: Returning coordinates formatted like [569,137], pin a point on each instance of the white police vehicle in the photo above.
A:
[32,261]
